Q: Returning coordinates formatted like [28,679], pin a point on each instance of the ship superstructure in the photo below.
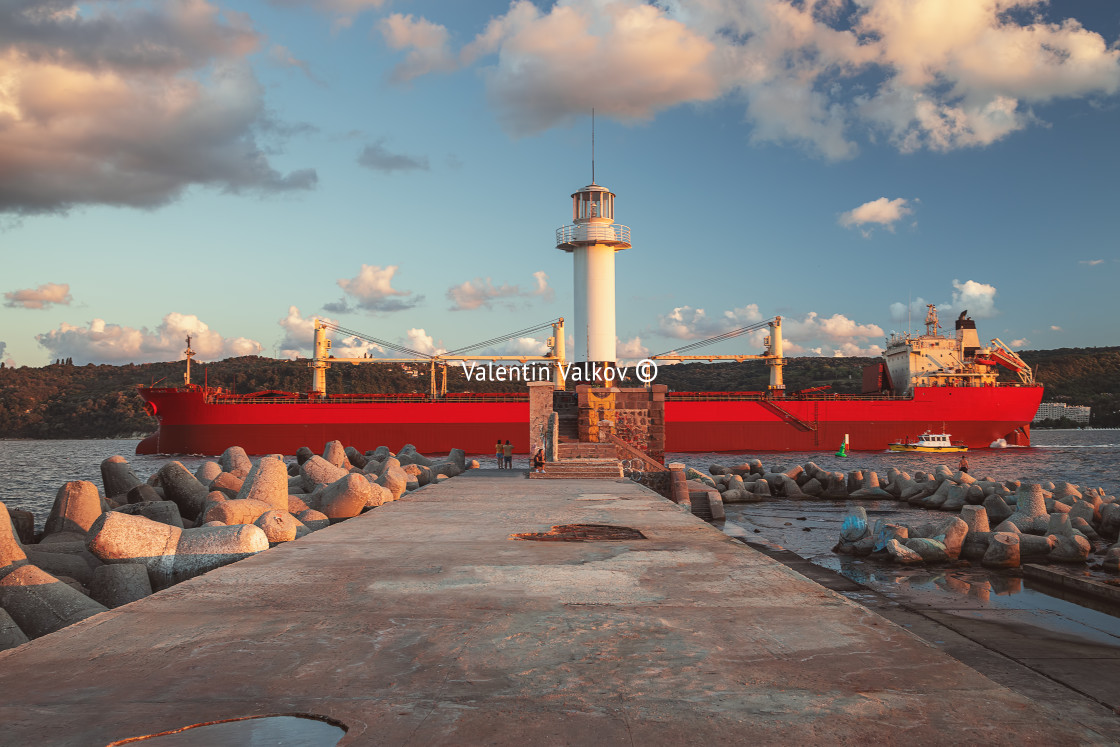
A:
[937,360]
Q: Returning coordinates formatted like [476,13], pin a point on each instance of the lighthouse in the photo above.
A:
[592,239]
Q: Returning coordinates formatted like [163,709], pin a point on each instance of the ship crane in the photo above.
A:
[772,356]
[322,359]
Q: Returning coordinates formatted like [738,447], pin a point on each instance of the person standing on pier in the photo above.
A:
[507,450]
[499,454]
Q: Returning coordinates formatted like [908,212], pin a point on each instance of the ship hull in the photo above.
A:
[976,416]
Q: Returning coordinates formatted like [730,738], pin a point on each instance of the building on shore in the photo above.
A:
[1059,410]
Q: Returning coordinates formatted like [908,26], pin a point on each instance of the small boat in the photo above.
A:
[930,442]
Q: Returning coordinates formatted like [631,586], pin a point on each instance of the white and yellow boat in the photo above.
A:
[930,442]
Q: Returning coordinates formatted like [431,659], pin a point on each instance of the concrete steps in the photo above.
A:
[580,469]
[585,450]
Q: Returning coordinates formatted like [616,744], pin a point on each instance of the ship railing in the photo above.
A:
[384,399]
[759,396]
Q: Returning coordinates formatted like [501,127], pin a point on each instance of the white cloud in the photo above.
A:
[523,346]
[625,57]
[687,323]
[1055,328]
[422,342]
[631,350]
[100,342]
[822,74]
[129,104]
[1021,342]
[1091,262]
[974,297]
[43,297]
[426,42]
[372,290]
[482,293]
[852,350]
[836,328]
[881,212]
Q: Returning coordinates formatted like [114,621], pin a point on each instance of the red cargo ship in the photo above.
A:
[929,382]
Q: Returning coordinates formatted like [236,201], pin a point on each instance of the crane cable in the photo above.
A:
[460,351]
[718,338]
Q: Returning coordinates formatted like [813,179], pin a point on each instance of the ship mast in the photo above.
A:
[932,326]
[190,354]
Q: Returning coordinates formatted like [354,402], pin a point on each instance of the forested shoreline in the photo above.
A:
[63,400]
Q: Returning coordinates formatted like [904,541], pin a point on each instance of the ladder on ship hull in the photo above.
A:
[787,416]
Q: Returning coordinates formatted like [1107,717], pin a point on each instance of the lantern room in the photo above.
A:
[593,204]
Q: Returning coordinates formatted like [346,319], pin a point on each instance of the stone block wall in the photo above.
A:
[638,415]
[540,407]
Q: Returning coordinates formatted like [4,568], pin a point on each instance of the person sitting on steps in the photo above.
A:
[538,460]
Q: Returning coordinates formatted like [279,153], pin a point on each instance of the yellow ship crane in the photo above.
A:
[322,359]
[772,356]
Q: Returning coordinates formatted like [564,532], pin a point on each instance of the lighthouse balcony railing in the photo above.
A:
[607,233]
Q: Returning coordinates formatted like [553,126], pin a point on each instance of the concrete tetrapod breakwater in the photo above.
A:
[454,616]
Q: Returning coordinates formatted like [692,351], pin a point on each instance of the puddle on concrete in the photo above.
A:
[289,731]
[966,591]
[582,533]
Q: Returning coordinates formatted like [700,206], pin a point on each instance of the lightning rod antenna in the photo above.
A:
[592,145]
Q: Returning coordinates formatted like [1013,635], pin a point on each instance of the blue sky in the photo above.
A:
[233,169]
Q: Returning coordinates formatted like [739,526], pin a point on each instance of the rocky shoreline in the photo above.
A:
[1001,524]
[100,550]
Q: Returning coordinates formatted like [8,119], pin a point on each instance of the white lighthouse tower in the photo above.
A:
[592,239]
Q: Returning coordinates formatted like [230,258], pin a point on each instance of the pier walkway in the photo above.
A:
[423,622]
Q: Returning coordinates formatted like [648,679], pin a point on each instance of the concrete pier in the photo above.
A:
[423,622]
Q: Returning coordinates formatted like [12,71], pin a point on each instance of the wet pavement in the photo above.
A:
[1031,637]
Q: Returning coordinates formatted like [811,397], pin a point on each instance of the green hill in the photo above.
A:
[99,401]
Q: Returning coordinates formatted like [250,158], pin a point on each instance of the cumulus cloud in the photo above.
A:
[1055,328]
[813,333]
[687,323]
[979,299]
[299,339]
[881,212]
[1020,343]
[100,342]
[631,350]
[482,293]
[1091,262]
[422,342]
[822,74]
[43,297]
[372,290]
[836,328]
[625,57]
[379,158]
[126,104]
[426,42]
